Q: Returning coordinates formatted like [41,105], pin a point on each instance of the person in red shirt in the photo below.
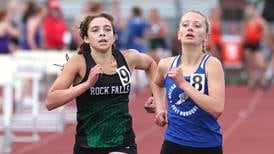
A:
[54,27]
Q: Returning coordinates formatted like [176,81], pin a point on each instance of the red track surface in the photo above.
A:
[247,126]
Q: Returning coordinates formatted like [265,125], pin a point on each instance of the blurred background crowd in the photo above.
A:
[241,34]
[148,26]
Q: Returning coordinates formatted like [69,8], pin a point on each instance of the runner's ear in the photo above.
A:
[86,39]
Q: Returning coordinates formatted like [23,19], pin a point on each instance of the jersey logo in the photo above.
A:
[124,75]
[198,82]
[182,98]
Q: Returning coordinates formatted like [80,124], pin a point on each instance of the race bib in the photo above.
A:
[124,75]
[198,81]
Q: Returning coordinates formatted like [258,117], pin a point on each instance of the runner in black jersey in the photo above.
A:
[101,77]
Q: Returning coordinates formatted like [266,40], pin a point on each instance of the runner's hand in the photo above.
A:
[176,74]
[150,105]
[94,74]
[161,118]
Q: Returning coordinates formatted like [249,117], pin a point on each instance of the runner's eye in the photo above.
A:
[184,25]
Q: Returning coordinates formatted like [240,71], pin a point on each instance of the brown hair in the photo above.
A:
[84,47]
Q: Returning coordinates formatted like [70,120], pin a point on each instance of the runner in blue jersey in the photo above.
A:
[99,78]
[195,91]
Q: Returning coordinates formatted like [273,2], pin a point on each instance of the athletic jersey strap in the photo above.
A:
[118,55]
[202,65]
[175,62]
[90,61]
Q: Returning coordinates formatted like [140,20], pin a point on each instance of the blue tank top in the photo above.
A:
[188,124]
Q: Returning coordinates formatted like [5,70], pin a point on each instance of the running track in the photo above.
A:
[247,126]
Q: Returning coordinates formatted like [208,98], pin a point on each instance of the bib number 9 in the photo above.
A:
[124,75]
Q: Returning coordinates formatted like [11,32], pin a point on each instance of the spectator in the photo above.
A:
[119,23]
[7,31]
[214,41]
[13,17]
[255,33]
[156,33]
[31,35]
[136,27]
[54,26]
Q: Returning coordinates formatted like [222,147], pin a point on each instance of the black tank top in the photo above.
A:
[103,118]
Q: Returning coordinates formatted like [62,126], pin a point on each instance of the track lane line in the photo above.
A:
[243,114]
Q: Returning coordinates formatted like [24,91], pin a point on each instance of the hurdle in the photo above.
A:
[6,82]
[30,66]
[34,65]
[33,118]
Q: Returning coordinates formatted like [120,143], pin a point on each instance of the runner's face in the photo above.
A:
[192,29]
[100,34]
